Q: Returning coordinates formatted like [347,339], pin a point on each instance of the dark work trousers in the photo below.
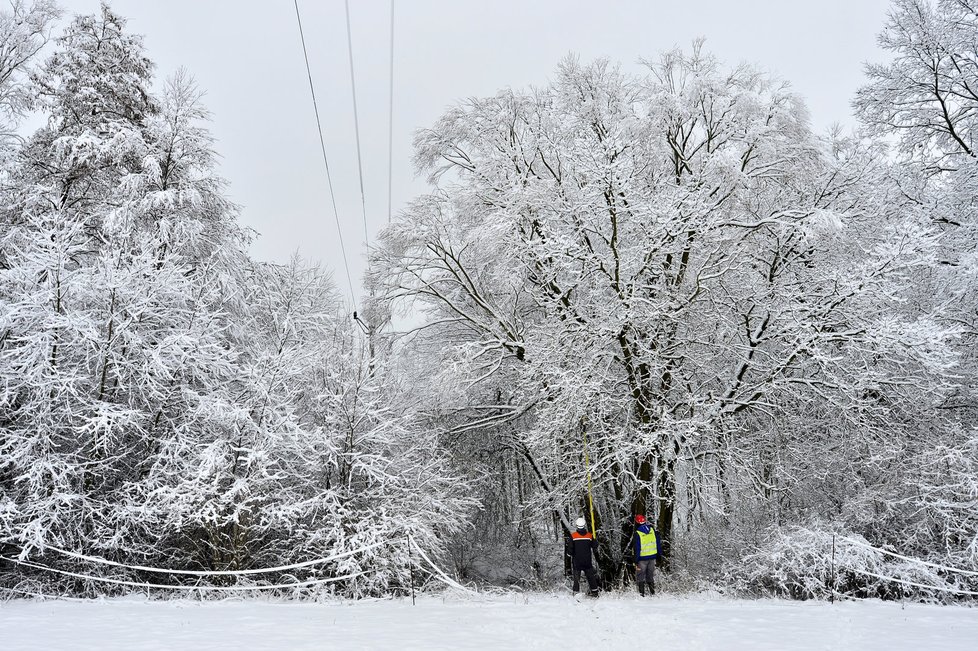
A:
[592,579]
[645,573]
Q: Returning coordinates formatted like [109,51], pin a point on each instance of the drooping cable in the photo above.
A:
[163,586]
[438,573]
[356,120]
[968,593]
[264,570]
[938,566]
[322,146]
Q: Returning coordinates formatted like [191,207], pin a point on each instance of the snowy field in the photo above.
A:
[498,622]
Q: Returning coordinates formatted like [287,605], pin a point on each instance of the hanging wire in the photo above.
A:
[390,124]
[356,120]
[163,586]
[955,591]
[955,570]
[322,145]
[264,570]
[438,573]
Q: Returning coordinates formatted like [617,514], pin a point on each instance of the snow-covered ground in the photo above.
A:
[538,621]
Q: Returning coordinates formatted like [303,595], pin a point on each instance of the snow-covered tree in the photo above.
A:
[655,293]
[164,400]
[117,245]
[925,102]
[671,266]
[24,31]
[922,105]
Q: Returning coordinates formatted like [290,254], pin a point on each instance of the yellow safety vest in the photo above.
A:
[647,545]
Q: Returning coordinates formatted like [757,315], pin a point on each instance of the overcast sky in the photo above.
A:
[247,56]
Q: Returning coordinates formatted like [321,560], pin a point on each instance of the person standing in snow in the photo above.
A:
[580,548]
[646,548]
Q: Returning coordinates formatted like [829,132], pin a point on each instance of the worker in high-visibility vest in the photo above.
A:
[646,547]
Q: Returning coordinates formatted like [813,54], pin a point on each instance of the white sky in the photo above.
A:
[246,55]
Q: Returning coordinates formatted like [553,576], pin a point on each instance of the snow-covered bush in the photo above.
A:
[809,563]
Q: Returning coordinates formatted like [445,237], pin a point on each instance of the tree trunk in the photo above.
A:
[666,484]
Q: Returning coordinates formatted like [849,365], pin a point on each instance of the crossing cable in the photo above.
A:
[322,146]
[265,570]
[912,560]
[356,121]
[135,584]
[912,583]
[390,123]
[439,574]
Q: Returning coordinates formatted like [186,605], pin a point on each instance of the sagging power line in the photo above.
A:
[322,145]
[356,124]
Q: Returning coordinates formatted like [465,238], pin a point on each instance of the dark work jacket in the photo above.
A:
[579,548]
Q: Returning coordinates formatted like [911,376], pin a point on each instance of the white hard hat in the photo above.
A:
[581,523]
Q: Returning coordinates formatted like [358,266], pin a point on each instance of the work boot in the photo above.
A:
[641,589]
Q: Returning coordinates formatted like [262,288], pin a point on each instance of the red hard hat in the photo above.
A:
[639,519]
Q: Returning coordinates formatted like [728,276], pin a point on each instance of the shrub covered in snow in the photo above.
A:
[799,562]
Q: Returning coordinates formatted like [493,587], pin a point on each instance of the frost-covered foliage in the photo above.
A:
[164,400]
[924,103]
[659,290]
[668,281]
[24,31]
[806,563]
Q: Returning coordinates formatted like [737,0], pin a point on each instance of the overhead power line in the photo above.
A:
[322,145]
[356,121]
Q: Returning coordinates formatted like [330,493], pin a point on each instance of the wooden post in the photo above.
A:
[832,595]
[411,567]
